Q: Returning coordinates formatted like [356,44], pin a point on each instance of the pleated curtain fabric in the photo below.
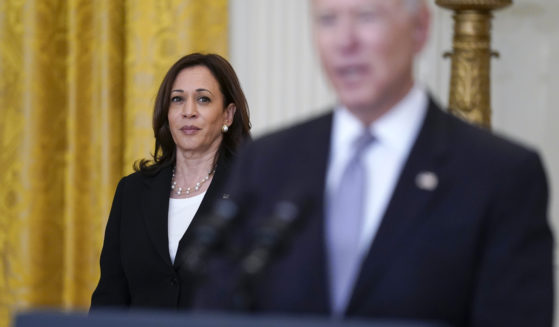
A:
[78,80]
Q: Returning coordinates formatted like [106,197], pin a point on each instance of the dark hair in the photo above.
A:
[165,150]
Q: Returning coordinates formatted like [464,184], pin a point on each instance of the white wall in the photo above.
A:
[272,54]
[271,50]
[526,82]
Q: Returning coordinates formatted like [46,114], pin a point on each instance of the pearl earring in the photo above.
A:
[224,128]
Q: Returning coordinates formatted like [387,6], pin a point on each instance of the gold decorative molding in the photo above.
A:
[487,5]
[470,91]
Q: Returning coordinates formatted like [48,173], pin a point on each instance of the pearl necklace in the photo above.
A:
[189,190]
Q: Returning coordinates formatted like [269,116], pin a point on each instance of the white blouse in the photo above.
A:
[181,213]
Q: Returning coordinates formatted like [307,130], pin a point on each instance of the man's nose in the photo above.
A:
[347,40]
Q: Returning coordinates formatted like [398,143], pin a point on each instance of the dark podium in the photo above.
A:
[210,319]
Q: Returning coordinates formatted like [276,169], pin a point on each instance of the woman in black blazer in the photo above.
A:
[199,120]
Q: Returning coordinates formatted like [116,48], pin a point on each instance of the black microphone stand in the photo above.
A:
[268,240]
[208,235]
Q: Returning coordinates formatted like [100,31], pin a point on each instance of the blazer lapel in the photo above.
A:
[317,151]
[213,193]
[155,203]
[419,183]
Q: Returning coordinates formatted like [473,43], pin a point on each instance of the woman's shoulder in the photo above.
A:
[141,177]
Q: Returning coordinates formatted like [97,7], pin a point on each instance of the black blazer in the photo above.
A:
[136,268]
[474,251]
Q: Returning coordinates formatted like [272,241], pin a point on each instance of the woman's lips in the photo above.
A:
[188,130]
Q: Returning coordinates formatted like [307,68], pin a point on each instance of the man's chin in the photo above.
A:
[366,111]
[356,97]
[356,106]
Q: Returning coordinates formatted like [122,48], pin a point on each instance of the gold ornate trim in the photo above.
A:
[488,5]
[470,95]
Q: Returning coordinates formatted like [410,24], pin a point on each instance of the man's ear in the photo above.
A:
[422,26]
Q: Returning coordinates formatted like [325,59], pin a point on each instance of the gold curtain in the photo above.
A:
[77,83]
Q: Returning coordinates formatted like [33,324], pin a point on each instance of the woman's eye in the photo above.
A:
[176,99]
[204,99]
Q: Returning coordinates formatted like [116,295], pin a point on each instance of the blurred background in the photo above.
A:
[77,83]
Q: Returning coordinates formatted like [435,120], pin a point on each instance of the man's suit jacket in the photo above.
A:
[476,250]
[136,268]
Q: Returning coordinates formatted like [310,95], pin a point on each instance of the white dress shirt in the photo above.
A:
[181,213]
[395,133]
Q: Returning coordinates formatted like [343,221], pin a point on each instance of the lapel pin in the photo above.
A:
[427,180]
[225,196]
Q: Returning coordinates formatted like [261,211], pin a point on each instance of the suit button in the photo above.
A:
[174,281]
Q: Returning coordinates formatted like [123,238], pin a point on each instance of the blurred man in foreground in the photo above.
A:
[406,211]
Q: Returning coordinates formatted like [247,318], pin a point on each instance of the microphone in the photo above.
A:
[267,243]
[269,238]
[208,235]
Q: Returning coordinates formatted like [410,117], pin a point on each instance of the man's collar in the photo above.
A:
[396,129]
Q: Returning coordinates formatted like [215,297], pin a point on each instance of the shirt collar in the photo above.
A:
[396,129]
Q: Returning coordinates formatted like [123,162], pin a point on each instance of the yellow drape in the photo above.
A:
[77,83]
